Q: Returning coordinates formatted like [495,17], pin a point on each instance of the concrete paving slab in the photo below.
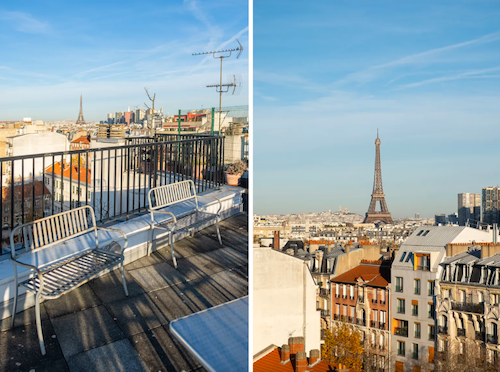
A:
[24,317]
[227,258]
[76,300]
[197,244]
[20,350]
[118,356]
[109,287]
[154,258]
[85,330]
[136,314]
[160,352]
[157,276]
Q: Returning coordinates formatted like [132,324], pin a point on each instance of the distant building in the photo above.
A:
[491,205]
[127,117]
[440,219]
[453,219]
[111,118]
[469,209]
[417,215]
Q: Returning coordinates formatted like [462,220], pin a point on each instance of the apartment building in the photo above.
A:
[491,205]
[413,277]
[469,209]
[361,298]
[468,308]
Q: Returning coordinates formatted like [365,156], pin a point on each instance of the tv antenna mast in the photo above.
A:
[223,88]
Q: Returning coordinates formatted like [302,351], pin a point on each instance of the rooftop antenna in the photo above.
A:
[222,88]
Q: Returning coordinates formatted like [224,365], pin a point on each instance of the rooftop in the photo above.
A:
[372,275]
[96,328]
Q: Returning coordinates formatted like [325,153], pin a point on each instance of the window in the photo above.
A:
[402,257]
[382,301]
[416,286]
[431,354]
[345,310]
[401,348]
[337,290]
[430,288]
[344,291]
[399,367]
[415,351]
[414,309]
[375,317]
[425,233]
[352,292]
[430,307]
[401,306]
[420,232]
[496,299]
[337,308]
[410,255]
[416,329]
[431,332]
[399,284]
[423,262]
[353,312]
[375,292]
[383,317]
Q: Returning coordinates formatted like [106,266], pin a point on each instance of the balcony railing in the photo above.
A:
[401,352]
[381,325]
[492,339]
[432,336]
[414,312]
[442,330]
[414,355]
[469,307]
[424,267]
[479,336]
[114,181]
[399,289]
[461,332]
[373,324]
[325,313]
[361,299]
[374,300]
[324,292]
[417,334]
[401,310]
[361,322]
[401,331]
[350,319]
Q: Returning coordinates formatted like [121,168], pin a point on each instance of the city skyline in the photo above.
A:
[425,74]
[108,52]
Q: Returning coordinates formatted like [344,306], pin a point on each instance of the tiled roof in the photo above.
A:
[40,190]
[81,139]
[85,175]
[377,276]
[272,363]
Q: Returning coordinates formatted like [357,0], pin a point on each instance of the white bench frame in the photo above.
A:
[171,194]
[64,275]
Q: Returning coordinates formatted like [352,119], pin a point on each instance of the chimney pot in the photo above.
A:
[296,344]
[301,362]
[314,357]
[285,354]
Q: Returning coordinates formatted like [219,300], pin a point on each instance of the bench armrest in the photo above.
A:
[164,212]
[212,197]
[118,231]
[16,262]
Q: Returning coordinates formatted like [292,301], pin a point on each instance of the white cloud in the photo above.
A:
[25,22]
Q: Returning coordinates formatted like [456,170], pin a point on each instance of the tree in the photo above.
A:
[470,357]
[343,346]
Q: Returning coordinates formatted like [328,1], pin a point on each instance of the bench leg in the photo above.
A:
[150,245]
[172,247]
[39,322]
[218,231]
[124,281]
[14,307]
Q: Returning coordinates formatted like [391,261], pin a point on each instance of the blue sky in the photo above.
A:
[327,74]
[51,51]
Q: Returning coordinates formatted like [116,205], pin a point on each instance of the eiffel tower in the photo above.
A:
[80,119]
[378,194]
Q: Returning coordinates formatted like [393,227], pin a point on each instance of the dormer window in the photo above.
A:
[420,232]
[425,233]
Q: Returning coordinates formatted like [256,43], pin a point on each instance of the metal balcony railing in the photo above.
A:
[399,289]
[381,325]
[414,355]
[401,331]
[374,300]
[325,313]
[114,181]
[417,334]
[373,324]
[469,307]
[401,352]
[492,339]
[361,322]
[479,336]
[460,332]
[324,292]
[350,319]
[424,267]
[442,330]
[401,310]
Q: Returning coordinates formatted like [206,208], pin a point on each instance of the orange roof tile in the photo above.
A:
[40,189]
[272,363]
[81,139]
[85,175]
[378,276]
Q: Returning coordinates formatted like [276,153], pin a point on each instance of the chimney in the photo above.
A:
[495,233]
[301,362]
[296,344]
[285,354]
[276,240]
[314,358]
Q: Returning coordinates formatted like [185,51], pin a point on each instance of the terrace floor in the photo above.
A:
[97,328]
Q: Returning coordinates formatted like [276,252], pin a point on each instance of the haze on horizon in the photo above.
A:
[53,51]
[328,74]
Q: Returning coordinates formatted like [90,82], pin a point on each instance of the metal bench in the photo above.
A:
[56,268]
[162,197]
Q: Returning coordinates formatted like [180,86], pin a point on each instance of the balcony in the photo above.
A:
[424,267]
[381,325]
[399,289]
[460,332]
[97,324]
[414,312]
[401,331]
[492,339]
[400,310]
[324,292]
[373,324]
[374,301]
[414,355]
[401,352]
[361,299]
[468,307]
[361,322]
[442,330]
[350,319]
[325,313]
[479,336]
[417,334]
